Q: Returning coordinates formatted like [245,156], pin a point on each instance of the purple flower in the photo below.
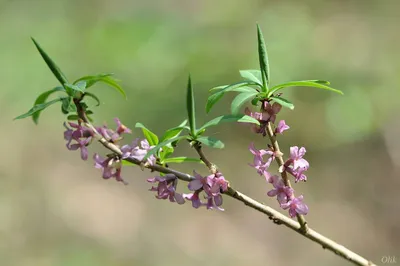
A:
[82,143]
[121,128]
[166,188]
[212,186]
[296,158]
[138,150]
[81,135]
[295,206]
[198,183]
[111,167]
[194,198]
[214,202]
[281,127]
[298,174]
[281,191]
[111,135]
[258,163]
[217,184]
[270,111]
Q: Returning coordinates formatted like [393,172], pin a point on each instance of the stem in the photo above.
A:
[273,215]
[210,165]
[281,162]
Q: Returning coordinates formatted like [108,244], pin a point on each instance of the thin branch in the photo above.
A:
[273,215]
[210,165]
[280,161]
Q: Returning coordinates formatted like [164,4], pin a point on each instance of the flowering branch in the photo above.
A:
[272,214]
[281,162]
[154,153]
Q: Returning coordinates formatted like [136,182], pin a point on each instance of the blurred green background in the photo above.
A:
[57,210]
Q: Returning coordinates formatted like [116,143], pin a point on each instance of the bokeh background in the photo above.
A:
[57,210]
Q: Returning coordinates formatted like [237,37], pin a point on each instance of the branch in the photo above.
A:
[279,160]
[273,215]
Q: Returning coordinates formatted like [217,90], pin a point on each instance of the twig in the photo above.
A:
[280,161]
[273,215]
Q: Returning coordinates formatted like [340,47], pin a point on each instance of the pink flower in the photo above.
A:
[111,167]
[194,198]
[258,163]
[296,158]
[298,174]
[81,135]
[281,127]
[212,185]
[121,128]
[270,111]
[138,150]
[296,206]
[282,192]
[166,188]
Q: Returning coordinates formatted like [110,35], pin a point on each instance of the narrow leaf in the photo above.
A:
[283,102]
[241,118]
[50,63]
[211,142]
[305,83]
[252,75]
[174,132]
[105,78]
[150,136]
[41,99]
[160,145]
[239,89]
[37,108]
[73,117]
[263,59]
[214,98]
[91,95]
[181,160]
[190,106]
[241,99]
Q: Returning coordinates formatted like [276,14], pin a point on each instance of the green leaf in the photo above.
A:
[105,78]
[38,108]
[50,63]
[73,117]
[41,99]
[190,106]
[240,89]
[91,95]
[241,118]
[263,59]
[74,90]
[211,142]
[241,99]
[174,132]
[283,102]
[181,160]
[304,83]
[68,105]
[162,144]
[214,98]
[166,151]
[127,163]
[150,136]
[252,75]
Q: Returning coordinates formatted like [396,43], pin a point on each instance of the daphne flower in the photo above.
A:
[280,190]
[281,127]
[296,206]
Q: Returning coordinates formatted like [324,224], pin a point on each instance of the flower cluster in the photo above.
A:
[268,114]
[111,166]
[166,188]
[212,186]
[296,165]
